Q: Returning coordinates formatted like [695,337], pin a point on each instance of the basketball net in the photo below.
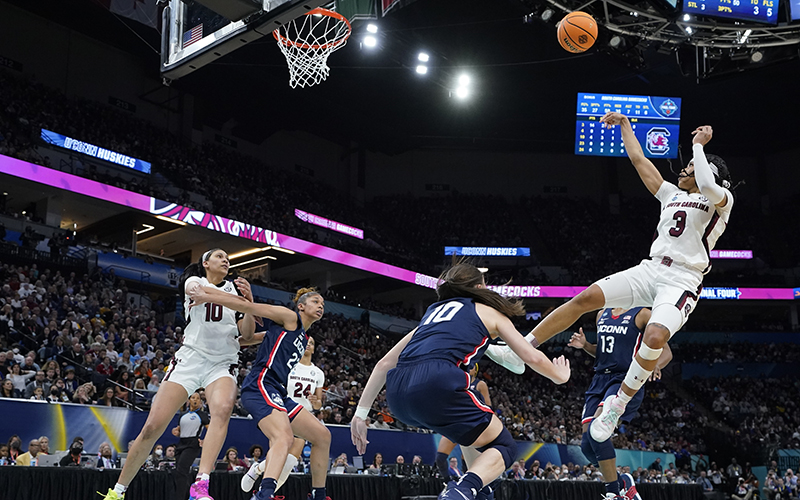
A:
[307,41]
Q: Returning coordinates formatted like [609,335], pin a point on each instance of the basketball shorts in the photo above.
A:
[604,385]
[670,289]
[435,395]
[193,371]
[261,402]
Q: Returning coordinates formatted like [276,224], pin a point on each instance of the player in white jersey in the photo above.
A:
[693,216]
[208,357]
[304,385]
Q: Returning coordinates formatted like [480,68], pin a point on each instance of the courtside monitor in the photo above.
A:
[655,121]
[194,35]
[763,11]
[795,10]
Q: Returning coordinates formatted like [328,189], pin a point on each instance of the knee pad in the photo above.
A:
[648,353]
[505,444]
[587,449]
[602,451]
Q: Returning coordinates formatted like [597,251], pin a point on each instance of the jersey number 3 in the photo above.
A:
[680,223]
[444,312]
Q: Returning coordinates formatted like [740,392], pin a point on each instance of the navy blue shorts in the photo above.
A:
[268,398]
[604,385]
[435,395]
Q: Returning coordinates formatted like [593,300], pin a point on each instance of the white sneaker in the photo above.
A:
[249,479]
[505,357]
[603,426]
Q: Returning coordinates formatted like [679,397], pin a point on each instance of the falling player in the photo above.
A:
[693,216]
[427,384]
[207,358]
[305,387]
[264,393]
[619,333]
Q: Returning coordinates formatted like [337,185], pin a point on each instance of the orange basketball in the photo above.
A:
[577,32]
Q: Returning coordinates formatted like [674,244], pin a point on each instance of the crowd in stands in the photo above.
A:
[576,234]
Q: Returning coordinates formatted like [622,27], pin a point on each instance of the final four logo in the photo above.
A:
[668,107]
[658,141]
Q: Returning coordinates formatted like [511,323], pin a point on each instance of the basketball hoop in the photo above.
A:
[308,41]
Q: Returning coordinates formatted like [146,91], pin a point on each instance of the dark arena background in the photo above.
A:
[136,135]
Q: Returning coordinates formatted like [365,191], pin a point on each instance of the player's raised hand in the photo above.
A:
[198,296]
[578,339]
[702,135]
[562,374]
[656,375]
[358,433]
[610,119]
[244,287]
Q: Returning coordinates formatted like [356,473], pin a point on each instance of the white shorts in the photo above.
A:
[670,289]
[192,370]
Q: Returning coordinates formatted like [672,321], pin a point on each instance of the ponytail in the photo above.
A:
[460,280]
[194,269]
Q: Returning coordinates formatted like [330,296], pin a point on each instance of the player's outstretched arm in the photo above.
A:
[279,314]
[358,426]
[703,175]
[647,171]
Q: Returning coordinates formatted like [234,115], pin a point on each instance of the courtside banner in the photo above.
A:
[94,189]
[731,254]
[87,149]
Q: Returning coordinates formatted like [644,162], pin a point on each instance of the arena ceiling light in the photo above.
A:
[370,41]
[284,250]
[147,227]
[422,69]
[247,252]
[423,57]
[462,92]
[174,221]
[372,28]
[463,80]
[254,260]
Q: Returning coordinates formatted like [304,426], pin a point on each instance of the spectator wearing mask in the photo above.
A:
[73,458]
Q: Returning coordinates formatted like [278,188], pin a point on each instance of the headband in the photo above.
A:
[725,182]
[206,256]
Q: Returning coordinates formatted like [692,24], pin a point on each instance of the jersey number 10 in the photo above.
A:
[444,312]
[213,312]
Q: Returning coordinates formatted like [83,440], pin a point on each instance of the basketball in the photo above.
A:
[577,32]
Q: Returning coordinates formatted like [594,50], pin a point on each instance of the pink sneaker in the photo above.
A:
[199,491]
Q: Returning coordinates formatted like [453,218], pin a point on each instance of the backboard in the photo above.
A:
[194,35]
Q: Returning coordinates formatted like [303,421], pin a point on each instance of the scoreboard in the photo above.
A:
[655,121]
[764,11]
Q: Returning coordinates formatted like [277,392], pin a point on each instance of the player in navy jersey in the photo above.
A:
[207,358]
[427,380]
[694,214]
[264,393]
[619,336]
[481,390]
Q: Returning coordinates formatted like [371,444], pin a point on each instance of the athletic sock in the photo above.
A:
[624,398]
[612,487]
[471,481]
[120,489]
[267,488]
[441,462]
[318,494]
[202,477]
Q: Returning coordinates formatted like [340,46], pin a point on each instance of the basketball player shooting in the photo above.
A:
[693,216]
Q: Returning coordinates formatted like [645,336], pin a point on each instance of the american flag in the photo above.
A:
[193,35]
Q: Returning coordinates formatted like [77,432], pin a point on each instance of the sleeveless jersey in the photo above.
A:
[618,339]
[211,328]
[450,330]
[277,355]
[689,227]
[304,381]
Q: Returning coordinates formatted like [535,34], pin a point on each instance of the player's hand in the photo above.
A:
[358,433]
[312,398]
[562,374]
[702,135]
[656,375]
[578,339]
[198,296]
[176,431]
[244,287]
[610,119]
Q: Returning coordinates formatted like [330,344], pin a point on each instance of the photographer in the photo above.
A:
[744,490]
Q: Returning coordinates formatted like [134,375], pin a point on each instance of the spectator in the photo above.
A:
[790,481]
[38,382]
[20,379]
[453,471]
[400,459]
[734,470]
[38,395]
[7,389]
[73,458]
[534,472]
[703,481]
[377,462]
[4,458]
[14,448]
[256,453]
[105,458]
[44,445]
[656,465]
[743,490]
[516,471]
[29,458]
[108,398]
[233,461]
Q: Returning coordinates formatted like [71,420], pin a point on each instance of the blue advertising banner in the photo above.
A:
[87,149]
[489,251]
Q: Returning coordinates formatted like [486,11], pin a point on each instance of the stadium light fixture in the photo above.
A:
[370,41]
[463,80]
[423,57]
[462,92]
[422,69]
[372,28]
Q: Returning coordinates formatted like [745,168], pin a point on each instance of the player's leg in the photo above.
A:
[221,394]
[277,428]
[671,309]
[312,430]
[442,452]
[567,314]
[170,398]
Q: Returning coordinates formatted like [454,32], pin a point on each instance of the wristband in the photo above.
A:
[362,413]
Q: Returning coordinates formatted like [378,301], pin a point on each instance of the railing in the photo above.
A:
[144,276]
[38,257]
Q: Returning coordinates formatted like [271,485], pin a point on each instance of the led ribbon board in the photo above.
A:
[489,251]
[87,149]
